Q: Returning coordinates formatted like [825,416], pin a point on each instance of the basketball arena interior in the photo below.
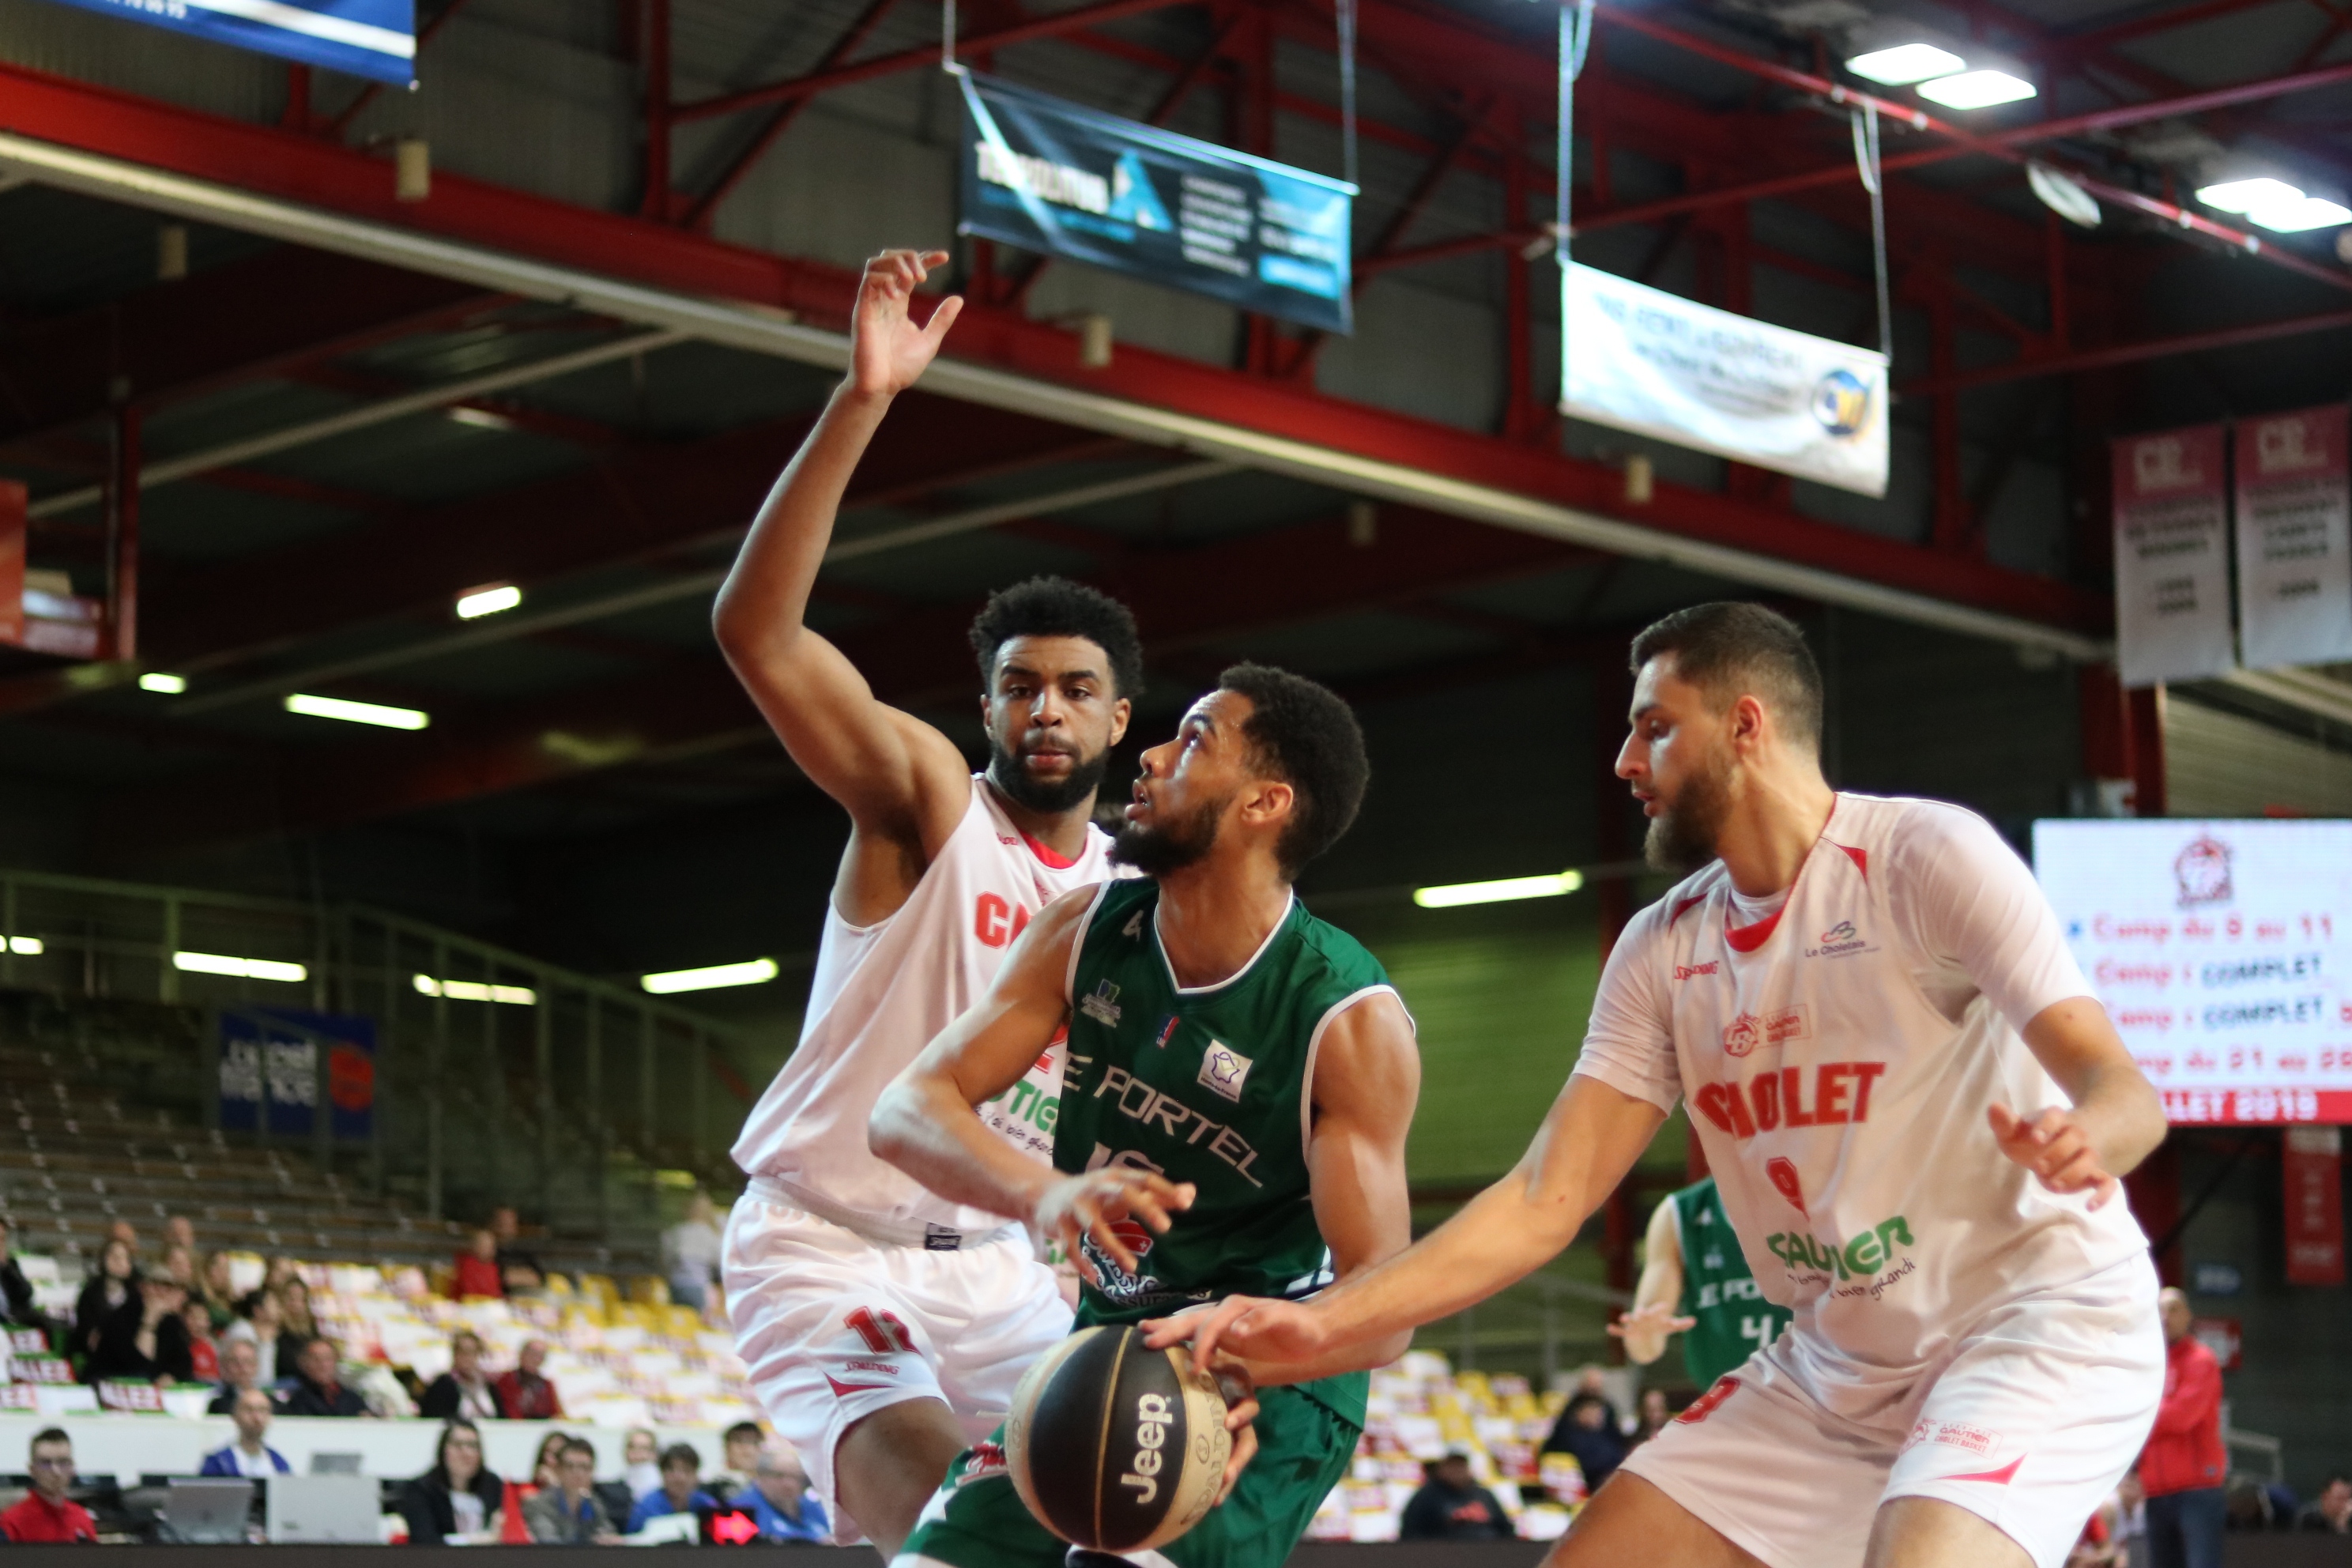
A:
[396,876]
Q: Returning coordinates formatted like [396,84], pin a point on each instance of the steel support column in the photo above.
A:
[123,536]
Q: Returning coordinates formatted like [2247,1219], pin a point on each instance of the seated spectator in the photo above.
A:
[179,1263]
[519,1270]
[124,1231]
[258,1322]
[525,1393]
[779,1502]
[2252,1505]
[677,1493]
[457,1500]
[2331,1511]
[543,1463]
[145,1340]
[1656,1414]
[204,1356]
[465,1389]
[641,1473]
[742,1445]
[17,1305]
[689,1252]
[47,1514]
[251,1454]
[1452,1506]
[180,1231]
[294,1310]
[217,1286]
[318,1385]
[478,1268]
[568,1514]
[240,1365]
[104,1293]
[1585,1430]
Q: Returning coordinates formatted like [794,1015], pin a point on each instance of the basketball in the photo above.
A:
[1116,1446]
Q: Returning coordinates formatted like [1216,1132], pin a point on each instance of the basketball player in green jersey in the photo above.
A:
[1694,1282]
[1241,1077]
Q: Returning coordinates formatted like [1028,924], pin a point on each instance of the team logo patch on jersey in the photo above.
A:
[1782,1174]
[1748,1030]
[1101,1004]
[1167,1031]
[1224,1070]
[1840,940]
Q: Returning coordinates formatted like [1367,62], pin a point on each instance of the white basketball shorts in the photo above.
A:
[2028,1423]
[834,1327]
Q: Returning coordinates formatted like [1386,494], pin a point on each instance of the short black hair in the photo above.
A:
[685,1454]
[743,1430]
[1731,649]
[1305,734]
[578,1445]
[1057,607]
[49,1434]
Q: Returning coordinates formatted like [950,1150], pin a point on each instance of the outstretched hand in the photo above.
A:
[1657,1317]
[1244,1328]
[1090,1206]
[2055,1148]
[888,352]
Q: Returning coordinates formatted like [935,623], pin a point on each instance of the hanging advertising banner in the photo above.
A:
[2315,1205]
[1068,181]
[1641,359]
[269,1076]
[2172,561]
[2295,538]
[372,39]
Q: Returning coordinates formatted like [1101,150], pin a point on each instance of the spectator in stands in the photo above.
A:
[1656,1414]
[179,1263]
[204,1354]
[2183,1467]
[318,1384]
[457,1500]
[46,1515]
[2256,1506]
[259,1323]
[568,1513]
[294,1309]
[526,1391]
[217,1286]
[642,1473]
[17,1305]
[1452,1506]
[240,1365]
[478,1268]
[180,1231]
[465,1389]
[779,1502]
[690,1254]
[677,1493]
[145,1340]
[124,1231]
[1586,1430]
[104,1293]
[2331,1511]
[251,1454]
[742,1445]
[519,1270]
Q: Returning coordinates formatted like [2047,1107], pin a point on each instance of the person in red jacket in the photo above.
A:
[2183,1468]
[525,1392]
[46,1515]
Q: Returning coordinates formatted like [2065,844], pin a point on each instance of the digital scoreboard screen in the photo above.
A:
[2223,952]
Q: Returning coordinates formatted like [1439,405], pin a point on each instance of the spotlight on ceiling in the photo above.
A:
[1977,89]
[2273,203]
[1903,64]
[752,971]
[2243,195]
[163,682]
[476,603]
[356,712]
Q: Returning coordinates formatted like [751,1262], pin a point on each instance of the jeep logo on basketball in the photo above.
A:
[1152,1415]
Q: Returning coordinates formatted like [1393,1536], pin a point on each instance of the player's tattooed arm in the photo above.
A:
[902,782]
[2116,1118]
[926,1122]
[1651,1320]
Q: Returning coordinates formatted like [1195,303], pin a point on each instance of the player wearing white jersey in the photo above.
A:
[1868,1004]
[885,1326]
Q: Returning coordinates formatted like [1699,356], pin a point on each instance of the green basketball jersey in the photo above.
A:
[1209,1085]
[1734,1320]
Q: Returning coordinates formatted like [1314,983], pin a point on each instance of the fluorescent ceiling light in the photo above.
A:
[2303,213]
[1905,63]
[157,680]
[474,991]
[479,418]
[1977,89]
[357,712]
[756,972]
[242,968]
[30,946]
[2245,195]
[1503,892]
[487,601]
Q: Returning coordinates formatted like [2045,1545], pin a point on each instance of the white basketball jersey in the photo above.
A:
[1844,1117]
[881,993]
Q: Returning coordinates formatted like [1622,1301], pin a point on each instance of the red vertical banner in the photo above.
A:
[12,562]
[2313,1158]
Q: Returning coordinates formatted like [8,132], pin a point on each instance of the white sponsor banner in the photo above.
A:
[1644,360]
[2172,565]
[2295,538]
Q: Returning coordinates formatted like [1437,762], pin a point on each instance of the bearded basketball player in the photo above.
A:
[1916,1113]
[885,1326]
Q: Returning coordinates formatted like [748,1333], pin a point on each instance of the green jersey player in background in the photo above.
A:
[1241,1078]
[1694,1282]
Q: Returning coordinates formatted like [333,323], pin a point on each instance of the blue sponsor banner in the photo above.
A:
[1051,176]
[374,39]
[271,1076]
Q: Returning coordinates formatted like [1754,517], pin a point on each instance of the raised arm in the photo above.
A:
[1651,1321]
[902,782]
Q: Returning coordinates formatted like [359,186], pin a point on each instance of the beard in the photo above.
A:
[1006,772]
[1180,842]
[1681,836]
